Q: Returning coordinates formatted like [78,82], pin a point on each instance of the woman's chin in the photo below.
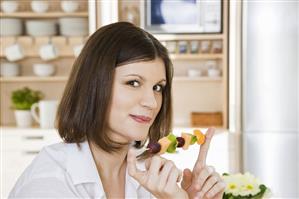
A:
[138,138]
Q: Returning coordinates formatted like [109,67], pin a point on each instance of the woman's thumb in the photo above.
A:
[187,179]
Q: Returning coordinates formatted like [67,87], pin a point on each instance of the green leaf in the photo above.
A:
[22,99]
[172,147]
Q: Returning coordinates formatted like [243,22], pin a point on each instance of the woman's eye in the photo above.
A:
[133,83]
[158,88]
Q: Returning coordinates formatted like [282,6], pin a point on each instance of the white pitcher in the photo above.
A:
[47,113]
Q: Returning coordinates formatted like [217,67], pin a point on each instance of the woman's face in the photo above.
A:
[136,99]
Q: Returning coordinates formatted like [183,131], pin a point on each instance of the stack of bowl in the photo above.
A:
[73,26]
[10,27]
[9,6]
[43,69]
[41,27]
[9,69]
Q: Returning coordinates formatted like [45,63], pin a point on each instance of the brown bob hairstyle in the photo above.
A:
[84,107]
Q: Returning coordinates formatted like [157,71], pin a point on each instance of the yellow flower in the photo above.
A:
[231,185]
[241,185]
[249,188]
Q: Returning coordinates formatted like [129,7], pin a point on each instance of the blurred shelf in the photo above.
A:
[170,37]
[192,79]
[13,39]
[33,79]
[36,55]
[178,129]
[31,45]
[195,56]
[43,15]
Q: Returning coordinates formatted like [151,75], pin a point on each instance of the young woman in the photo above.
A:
[118,97]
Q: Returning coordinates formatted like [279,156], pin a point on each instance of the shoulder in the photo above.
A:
[50,160]
[46,173]
[41,187]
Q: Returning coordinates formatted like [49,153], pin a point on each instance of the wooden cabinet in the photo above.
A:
[51,86]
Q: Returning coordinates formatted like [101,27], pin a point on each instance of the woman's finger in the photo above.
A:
[155,165]
[148,161]
[216,189]
[211,181]
[132,168]
[164,174]
[203,151]
[187,179]
[172,179]
[202,177]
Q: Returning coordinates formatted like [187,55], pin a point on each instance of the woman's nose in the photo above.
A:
[149,100]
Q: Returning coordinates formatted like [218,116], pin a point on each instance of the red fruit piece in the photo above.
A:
[181,141]
[154,147]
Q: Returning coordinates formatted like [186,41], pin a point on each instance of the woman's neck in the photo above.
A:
[110,166]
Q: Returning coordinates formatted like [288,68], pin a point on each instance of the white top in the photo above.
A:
[64,171]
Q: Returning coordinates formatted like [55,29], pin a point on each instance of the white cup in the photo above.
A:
[212,72]
[14,52]
[23,118]
[47,113]
[48,52]
[77,49]
[194,73]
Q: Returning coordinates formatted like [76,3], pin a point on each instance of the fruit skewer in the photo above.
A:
[170,143]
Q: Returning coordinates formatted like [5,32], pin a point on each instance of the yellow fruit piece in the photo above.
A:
[201,138]
[164,142]
[187,137]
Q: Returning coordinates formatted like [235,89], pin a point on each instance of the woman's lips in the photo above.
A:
[141,118]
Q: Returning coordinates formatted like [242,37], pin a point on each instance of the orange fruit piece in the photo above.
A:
[187,138]
[201,138]
[164,142]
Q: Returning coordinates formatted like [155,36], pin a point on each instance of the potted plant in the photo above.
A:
[22,100]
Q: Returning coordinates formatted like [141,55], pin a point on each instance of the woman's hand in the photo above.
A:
[203,181]
[160,178]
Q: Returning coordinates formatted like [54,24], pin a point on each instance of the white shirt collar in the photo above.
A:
[82,167]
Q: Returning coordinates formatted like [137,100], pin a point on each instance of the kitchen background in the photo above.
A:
[236,68]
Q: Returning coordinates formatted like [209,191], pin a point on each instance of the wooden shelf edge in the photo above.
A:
[43,15]
[218,129]
[37,56]
[195,56]
[170,37]
[191,79]
[33,79]
[40,37]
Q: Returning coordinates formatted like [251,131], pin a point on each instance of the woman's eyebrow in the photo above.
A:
[135,75]
[142,78]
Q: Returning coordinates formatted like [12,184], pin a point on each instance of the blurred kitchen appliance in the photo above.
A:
[270,94]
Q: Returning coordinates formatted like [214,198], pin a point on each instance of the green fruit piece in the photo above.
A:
[193,139]
[172,147]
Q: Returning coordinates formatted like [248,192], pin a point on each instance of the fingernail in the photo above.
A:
[211,170]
